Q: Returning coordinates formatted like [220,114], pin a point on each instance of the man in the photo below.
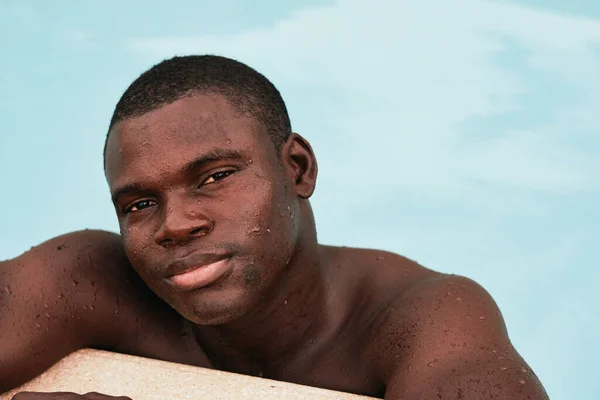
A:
[211,188]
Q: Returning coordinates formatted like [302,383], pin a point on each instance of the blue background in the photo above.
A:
[461,134]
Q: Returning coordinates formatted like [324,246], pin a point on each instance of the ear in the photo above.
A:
[300,164]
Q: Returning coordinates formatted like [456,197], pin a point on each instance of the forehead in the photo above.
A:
[179,132]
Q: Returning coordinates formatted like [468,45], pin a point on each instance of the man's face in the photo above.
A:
[198,187]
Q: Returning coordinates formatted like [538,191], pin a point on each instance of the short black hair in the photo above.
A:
[250,92]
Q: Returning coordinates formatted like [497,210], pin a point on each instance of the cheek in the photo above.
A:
[136,248]
[138,239]
[268,215]
[131,249]
[277,228]
[253,276]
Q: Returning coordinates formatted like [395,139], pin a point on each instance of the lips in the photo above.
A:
[197,270]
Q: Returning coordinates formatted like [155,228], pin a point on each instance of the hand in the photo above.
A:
[65,396]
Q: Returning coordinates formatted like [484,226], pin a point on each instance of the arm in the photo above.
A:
[444,338]
[61,296]
[66,396]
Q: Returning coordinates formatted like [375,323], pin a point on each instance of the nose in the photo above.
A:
[181,224]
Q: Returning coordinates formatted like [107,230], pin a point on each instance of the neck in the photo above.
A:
[290,317]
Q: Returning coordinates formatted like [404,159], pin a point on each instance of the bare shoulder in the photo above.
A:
[64,262]
[371,282]
[66,274]
[73,291]
[79,270]
[442,335]
[380,275]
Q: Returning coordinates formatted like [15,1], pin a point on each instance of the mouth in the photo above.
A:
[195,272]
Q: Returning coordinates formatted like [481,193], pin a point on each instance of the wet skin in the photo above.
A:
[198,187]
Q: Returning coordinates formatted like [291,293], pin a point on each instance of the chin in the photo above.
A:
[212,320]
[214,308]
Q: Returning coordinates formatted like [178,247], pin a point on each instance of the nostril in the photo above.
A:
[166,242]
[198,232]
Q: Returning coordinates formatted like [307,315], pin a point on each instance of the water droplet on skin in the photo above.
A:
[38,325]
[145,143]
[285,302]
[199,202]
[7,289]
[448,294]
[458,299]
[255,230]
[522,381]
[379,258]
[482,318]
[268,230]
[503,368]
[228,141]
[250,161]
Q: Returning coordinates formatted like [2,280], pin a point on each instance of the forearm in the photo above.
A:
[66,396]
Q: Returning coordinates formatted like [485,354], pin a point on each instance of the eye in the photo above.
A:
[139,205]
[217,177]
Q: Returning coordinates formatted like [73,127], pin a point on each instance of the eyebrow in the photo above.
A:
[133,188]
[212,156]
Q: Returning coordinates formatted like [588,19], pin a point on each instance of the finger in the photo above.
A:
[46,396]
[26,396]
[100,396]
